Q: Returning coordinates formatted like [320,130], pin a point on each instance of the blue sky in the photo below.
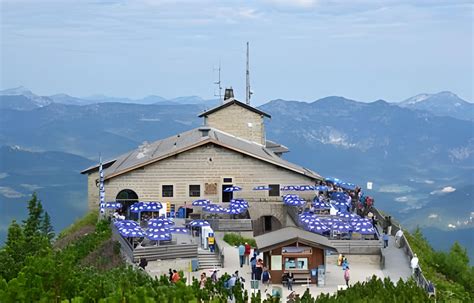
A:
[300,49]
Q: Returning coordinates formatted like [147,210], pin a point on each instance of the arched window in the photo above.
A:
[127,197]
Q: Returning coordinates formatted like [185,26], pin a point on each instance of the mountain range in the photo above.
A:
[419,156]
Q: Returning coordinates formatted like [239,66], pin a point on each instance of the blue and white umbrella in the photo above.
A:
[159,236]
[232,189]
[347,186]
[295,202]
[213,208]
[362,225]
[339,196]
[321,205]
[364,230]
[317,227]
[162,220]
[306,214]
[328,221]
[158,230]
[178,230]
[199,223]
[333,180]
[234,210]
[126,223]
[139,207]
[201,202]
[160,223]
[239,203]
[305,187]
[290,187]
[111,205]
[310,220]
[321,188]
[346,216]
[354,221]
[261,187]
[341,227]
[130,231]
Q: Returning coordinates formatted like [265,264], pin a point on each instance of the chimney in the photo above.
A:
[228,95]
[204,131]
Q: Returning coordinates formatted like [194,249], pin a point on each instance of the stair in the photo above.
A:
[208,260]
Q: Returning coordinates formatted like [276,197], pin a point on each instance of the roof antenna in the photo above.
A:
[248,92]
[218,83]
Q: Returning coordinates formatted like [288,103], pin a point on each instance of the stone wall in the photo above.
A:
[239,122]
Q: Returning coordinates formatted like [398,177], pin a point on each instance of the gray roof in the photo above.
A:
[152,152]
[237,102]
[271,240]
[276,147]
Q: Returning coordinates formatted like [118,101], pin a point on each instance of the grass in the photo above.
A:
[236,239]
[90,219]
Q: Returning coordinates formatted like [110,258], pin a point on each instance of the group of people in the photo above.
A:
[174,276]
[344,263]
[204,278]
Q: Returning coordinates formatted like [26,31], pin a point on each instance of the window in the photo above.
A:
[296,263]
[194,190]
[274,190]
[167,190]
[227,180]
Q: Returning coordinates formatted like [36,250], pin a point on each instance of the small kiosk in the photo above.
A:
[297,251]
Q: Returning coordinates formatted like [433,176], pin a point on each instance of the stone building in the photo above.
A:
[229,149]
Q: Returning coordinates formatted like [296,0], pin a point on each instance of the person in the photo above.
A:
[398,237]
[253,264]
[414,264]
[339,259]
[266,278]
[258,270]
[389,225]
[385,240]
[175,278]
[289,281]
[214,276]
[374,223]
[247,253]
[347,275]
[202,284]
[143,263]
[345,263]
[241,254]
[170,273]
[211,242]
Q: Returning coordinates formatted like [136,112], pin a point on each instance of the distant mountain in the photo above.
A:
[23,91]
[53,175]
[441,104]
[66,99]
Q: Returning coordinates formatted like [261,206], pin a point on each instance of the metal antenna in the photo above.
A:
[248,93]
[218,83]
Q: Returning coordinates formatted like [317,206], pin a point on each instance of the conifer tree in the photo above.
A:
[33,222]
[46,227]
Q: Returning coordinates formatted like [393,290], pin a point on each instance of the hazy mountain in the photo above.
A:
[53,175]
[441,104]
[23,91]
[66,99]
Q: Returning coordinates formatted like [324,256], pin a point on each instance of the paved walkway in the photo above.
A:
[397,264]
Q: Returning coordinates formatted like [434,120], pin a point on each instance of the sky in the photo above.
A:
[299,49]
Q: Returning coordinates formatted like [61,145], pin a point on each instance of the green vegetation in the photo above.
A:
[236,239]
[90,219]
[450,272]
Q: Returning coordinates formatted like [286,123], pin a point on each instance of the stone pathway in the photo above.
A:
[397,264]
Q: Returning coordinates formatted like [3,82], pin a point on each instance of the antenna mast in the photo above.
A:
[218,83]
[248,93]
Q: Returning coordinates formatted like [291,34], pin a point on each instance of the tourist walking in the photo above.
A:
[247,253]
[258,270]
[175,278]
[414,264]
[241,254]
[389,225]
[398,237]
[202,284]
[253,264]
[266,278]
[385,240]
[170,273]
[214,276]
[289,281]
[347,276]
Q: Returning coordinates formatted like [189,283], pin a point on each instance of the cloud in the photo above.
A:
[395,189]
[444,190]
[433,216]
[9,192]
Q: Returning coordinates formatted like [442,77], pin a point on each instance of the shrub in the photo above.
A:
[236,239]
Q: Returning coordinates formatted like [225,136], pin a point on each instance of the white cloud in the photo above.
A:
[395,188]
[9,192]
[444,190]
[433,216]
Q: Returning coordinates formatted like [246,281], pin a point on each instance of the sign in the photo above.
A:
[168,207]
[369,185]
[210,189]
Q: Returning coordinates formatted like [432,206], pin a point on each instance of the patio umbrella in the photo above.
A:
[261,187]
[157,230]
[232,188]
[290,187]
[341,227]
[347,216]
[198,222]
[328,221]
[213,208]
[363,225]
[178,230]
[295,202]
[162,220]
[332,180]
[159,236]
[364,231]
[306,214]
[317,227]
[111,205]
[139,207]
[310,220]
[305,187]
[234,210]
[339,196]
[131,232]
[239,204]
[347,186]
[354,221]
[160,223]
[321,205]
[126,223]
[321,188]
[201,202]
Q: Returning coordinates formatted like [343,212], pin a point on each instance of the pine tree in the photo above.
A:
[33,222]
[46,227]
